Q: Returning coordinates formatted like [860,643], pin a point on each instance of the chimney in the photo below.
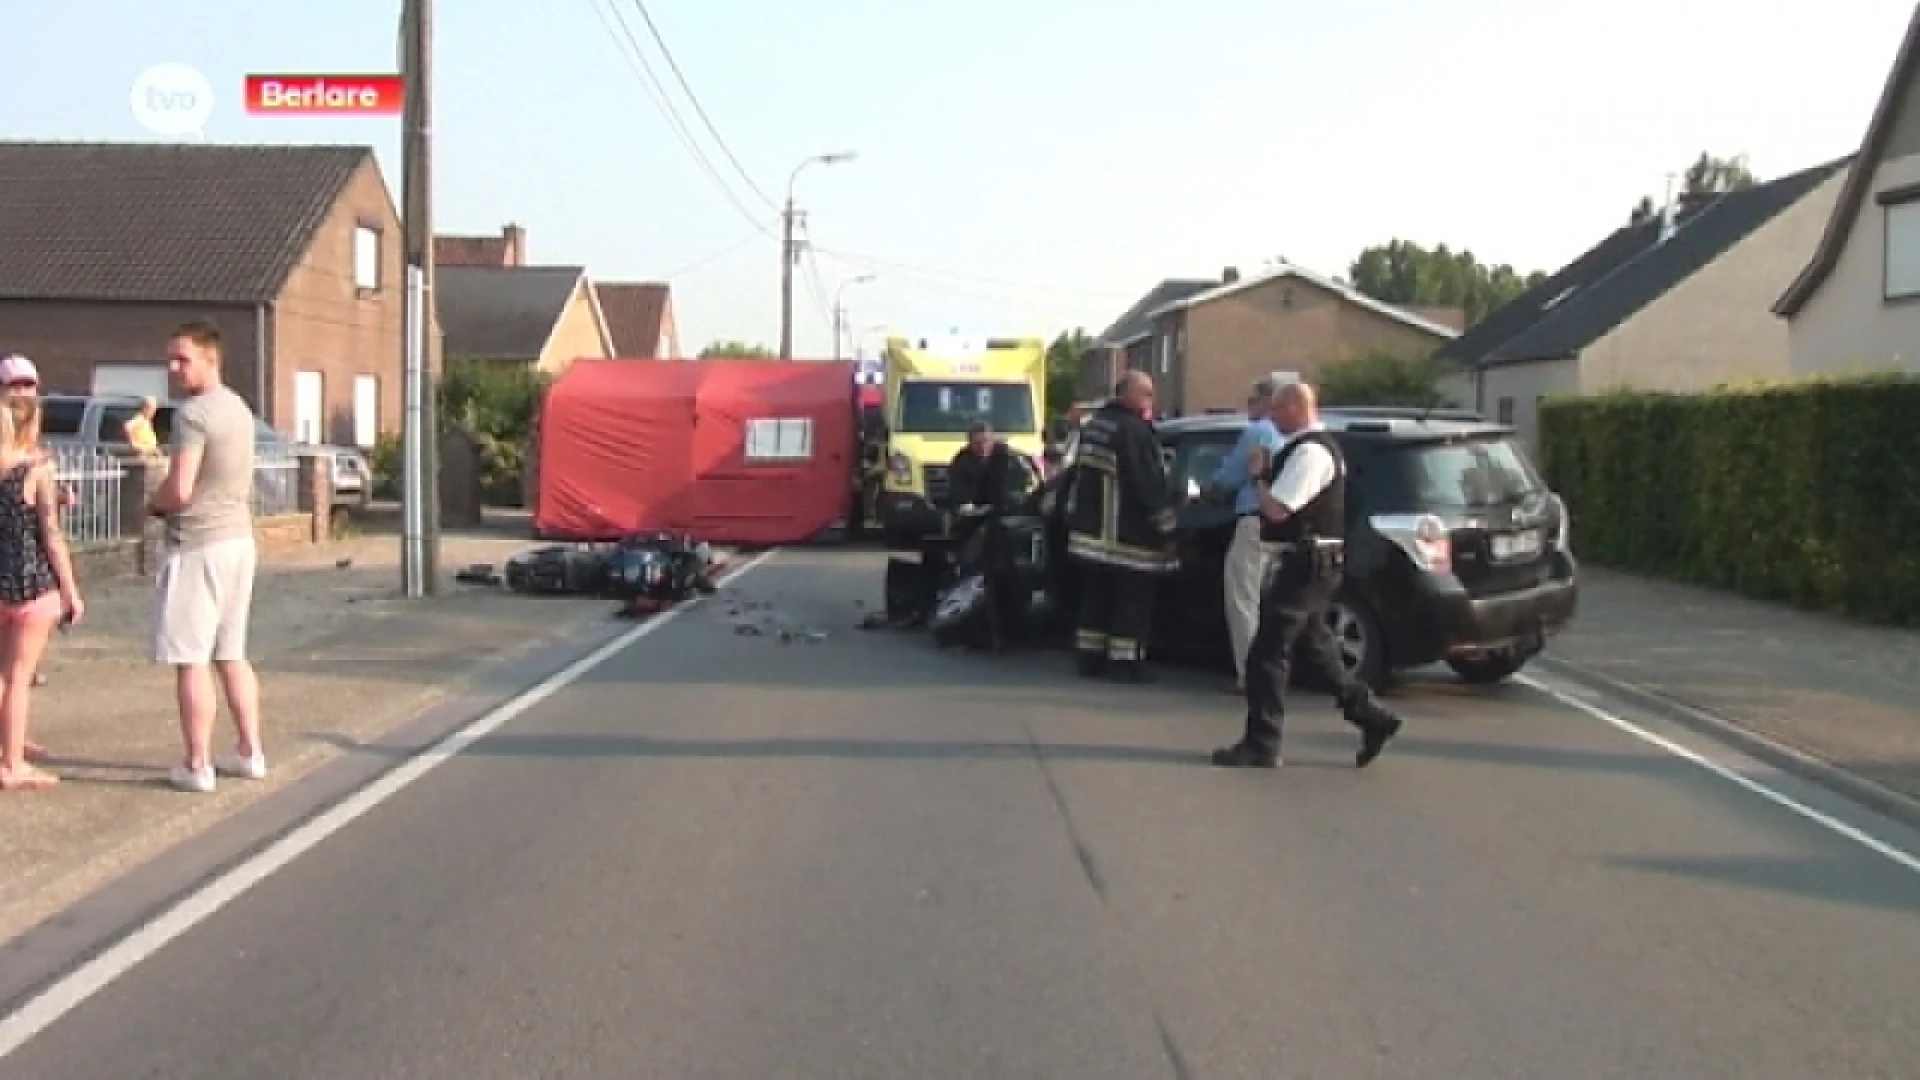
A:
[516,245]
[1230,275]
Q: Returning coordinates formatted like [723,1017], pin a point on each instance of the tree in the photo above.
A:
[1064,356]
[1383,378]
[1402,272]
[1708,175]
[735,350]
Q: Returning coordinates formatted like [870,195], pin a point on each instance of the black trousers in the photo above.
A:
[1116,614]
[1293,613]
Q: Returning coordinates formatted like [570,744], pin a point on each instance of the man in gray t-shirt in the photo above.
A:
[206,582]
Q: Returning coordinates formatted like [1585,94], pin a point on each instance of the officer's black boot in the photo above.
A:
[1377,723]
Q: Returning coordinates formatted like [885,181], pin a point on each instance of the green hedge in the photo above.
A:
[1806,493]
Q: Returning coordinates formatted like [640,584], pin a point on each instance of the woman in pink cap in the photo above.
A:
[20,378]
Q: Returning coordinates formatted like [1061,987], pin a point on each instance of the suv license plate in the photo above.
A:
[1517,545]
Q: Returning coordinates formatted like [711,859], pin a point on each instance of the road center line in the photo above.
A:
[74,988]
[1898,857]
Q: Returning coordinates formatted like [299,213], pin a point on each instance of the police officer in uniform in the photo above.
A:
[1119,529]
[1304,512]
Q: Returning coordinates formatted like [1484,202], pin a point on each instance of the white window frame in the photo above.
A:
[779,440]
[1900,268]
[309,429]
[366,258]
[366,422]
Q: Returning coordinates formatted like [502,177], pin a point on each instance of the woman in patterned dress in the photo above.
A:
[37,587]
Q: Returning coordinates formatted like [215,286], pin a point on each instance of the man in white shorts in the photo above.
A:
[206,580]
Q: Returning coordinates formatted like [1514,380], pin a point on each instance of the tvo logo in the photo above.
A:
[172,99]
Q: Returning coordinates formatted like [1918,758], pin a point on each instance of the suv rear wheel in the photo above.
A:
[1357,640]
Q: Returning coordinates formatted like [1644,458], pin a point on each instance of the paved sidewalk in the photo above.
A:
[1843,692]
[341,656]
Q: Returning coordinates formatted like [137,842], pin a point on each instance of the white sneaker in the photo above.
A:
[199,781]
[246,768]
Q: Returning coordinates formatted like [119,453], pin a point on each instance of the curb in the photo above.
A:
[1902,808]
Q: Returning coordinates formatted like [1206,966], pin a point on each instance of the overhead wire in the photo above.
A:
[699,110]
[636,58]
[716,256]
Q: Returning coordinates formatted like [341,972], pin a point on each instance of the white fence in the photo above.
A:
[276,481]
[93,480]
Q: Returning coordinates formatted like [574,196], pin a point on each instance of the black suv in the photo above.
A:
[1456,549]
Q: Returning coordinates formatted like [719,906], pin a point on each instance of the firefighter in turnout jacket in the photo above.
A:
[1119,531]
[1303,507]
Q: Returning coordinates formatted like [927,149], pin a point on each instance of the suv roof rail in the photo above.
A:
[1438,412]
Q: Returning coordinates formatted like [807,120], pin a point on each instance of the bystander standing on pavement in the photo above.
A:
[1248,557]
[206,580]
[19,377]
[38,590]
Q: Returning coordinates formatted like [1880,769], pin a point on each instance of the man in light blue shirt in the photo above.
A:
[1247,557]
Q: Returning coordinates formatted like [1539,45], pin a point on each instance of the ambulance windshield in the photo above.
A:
[944,407]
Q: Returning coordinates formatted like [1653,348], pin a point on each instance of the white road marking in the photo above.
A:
[124,955]
[1898,857]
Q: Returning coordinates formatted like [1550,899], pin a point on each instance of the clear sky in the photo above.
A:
[1024,166]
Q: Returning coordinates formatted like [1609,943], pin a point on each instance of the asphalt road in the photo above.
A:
[721,856]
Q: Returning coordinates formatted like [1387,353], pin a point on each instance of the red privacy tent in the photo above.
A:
[747,452]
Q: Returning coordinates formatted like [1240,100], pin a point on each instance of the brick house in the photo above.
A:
[507,249]
[1678,303]
[1852,309]
[542,317]
[638,315]
[1205,348]
[293,250]
[1128,343]
[640,319]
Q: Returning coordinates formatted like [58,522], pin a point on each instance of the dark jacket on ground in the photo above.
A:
[1119,511]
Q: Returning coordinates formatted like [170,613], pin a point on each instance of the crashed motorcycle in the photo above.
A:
[651,572]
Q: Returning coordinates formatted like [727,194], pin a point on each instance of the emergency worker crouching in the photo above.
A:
[1120,520]
[1303,506]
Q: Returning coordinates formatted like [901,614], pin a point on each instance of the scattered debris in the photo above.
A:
[478,574]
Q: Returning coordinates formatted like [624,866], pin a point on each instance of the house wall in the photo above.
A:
[65,339]
[577,335]
[1847,326]
[1717,326]
[323,323]
[669,346]
[1458,387]
[1285,324]
[1523,386]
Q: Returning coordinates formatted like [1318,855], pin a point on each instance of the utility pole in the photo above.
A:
[789,252]
[840,309]
[787,258]
[421,567]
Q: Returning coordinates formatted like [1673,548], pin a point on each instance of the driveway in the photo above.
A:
[721,854]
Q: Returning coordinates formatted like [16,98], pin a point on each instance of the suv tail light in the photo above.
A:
[1424,537]
[900,467]
[1563,536]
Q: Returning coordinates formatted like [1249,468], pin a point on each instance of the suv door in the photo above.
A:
[1191,606]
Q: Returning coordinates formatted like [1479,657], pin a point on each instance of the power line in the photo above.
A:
[694,100]
[760,233]
[636,59]
[873,262]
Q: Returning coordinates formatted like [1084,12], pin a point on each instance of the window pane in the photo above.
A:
[1903,250]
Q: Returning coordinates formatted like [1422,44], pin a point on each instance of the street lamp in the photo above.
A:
[787,251]
[840,311]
